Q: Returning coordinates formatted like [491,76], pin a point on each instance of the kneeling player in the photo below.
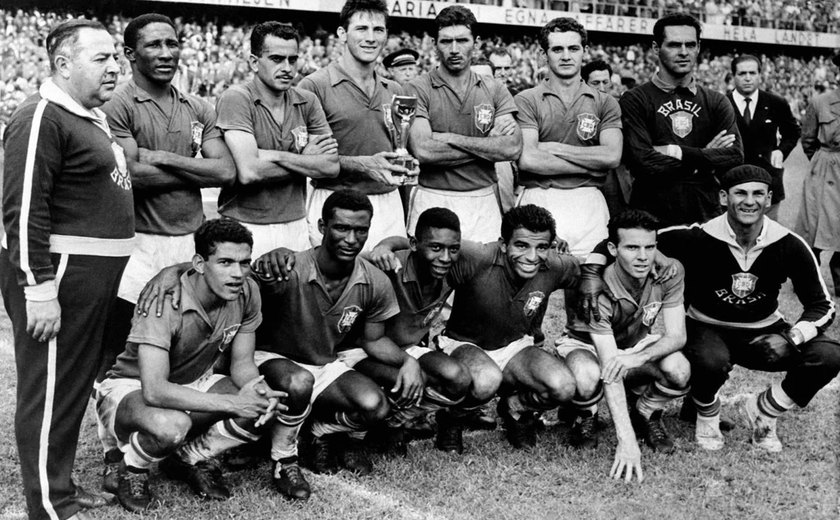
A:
[160,387]
[419,278]
[333,297]
[651,365]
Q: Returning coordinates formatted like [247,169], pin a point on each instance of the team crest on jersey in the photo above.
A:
[743,284]
[196,131]
[483,117]
[533,303]
[650,312]
[301,138]
[348,318]
[120,175]
[227,336]
[682,123]
[587,126]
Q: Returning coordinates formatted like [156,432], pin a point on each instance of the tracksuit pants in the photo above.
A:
[54,379]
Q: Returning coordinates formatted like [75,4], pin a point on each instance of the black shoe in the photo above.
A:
[91,500]
[392,441]
[480,418]
[422,427]
[246,456]
[520,433]
[652,431]
[450,433]
[110,479]
[133,489]
[291,483]
[688,413]
[584,434]
[204,478]
[321,455]
[354,457]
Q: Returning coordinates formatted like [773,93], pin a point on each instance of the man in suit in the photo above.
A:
[762,116]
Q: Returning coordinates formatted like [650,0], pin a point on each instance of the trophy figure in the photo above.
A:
[398,118]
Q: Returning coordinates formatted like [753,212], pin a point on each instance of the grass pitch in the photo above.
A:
[492,481]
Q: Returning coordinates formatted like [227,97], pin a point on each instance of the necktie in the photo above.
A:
[747,116]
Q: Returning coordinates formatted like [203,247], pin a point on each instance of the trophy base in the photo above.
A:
[409,163]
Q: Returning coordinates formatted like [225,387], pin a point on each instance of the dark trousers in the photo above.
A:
[713,351]
[54,379]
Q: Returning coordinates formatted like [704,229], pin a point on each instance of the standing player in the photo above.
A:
[69,221]
[464,125]
[620,348]
[571,137]
[762,117]
[278,136]
[173,149]
[735,266]
[353,97]
[678,135]
[163,385]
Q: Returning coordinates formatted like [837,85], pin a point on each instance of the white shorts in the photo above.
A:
[351,357]
[500,356]
[581,215]
[152,253]
[478,210]
[565,344]
[112,391]
[324,375]
[293,235]
[388,217]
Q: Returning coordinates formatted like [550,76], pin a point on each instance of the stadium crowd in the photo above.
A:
[212,59]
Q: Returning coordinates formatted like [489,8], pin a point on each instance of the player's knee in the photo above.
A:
[372,405]
[825,354]
[300,386]
[677,370]
[711,362]
[485,383]
[586,380]
[168,428]
[455,379]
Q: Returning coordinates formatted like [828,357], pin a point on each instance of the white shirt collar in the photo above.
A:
[740,101]
[54,94]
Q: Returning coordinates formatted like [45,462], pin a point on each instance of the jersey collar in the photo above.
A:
[688,83]
[141,95]
[771,232]
[337,74]
[292,95]
[437,80]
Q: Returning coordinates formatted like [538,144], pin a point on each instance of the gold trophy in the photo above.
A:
[398,118]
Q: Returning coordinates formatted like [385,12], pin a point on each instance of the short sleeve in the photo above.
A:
[316,119]
[611,114]
[502,100]
[603,326]
[208,118]
[473,259]
[674,289]
[527,113]
[383,304]
[566,270]
[120,116]
[234,111]
[414,88]
[155,330]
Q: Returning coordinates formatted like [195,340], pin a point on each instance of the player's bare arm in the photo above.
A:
[214,168]
[410,380]
[604,156]
[628,457]
[256,165]
[538,159]
[491,148]
[159,392]
[671,341]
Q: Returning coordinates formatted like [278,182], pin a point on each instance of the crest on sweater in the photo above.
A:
[533,303]
[743,284]
[120,175]
[681,112]
[301,138]
[650,312]
[483,117]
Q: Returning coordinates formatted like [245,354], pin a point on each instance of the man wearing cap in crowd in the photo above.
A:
[402,65]
[735,266]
